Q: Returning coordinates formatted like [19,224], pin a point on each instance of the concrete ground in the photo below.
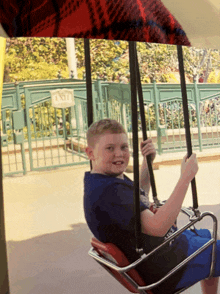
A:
[48,239]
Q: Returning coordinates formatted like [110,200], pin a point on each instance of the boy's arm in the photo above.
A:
[159,223]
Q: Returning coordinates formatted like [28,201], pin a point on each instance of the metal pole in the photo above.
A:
[71,56]
[186,121]
[157,117]
[88,85]
[132,63]
[4,281]
[144,130]
[198,113]
[88,82]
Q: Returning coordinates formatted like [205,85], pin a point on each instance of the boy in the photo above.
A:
[108,205]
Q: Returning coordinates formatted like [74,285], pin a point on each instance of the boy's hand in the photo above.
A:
[189,167]
[153,207]
[147,147]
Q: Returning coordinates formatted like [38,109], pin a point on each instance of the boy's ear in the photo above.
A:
[89,152]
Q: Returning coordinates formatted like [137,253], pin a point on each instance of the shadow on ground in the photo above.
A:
[59,263]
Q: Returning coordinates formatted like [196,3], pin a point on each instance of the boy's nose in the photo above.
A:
[118,152]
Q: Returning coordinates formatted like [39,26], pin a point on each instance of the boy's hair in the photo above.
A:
[103,126]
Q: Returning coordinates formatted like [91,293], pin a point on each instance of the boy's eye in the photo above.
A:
[110,148]
[125,147]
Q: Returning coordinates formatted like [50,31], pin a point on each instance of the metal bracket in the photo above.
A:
[162,131]
[4,140]
[18,137]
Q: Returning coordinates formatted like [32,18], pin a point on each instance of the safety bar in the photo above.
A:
[189,211]
[193,220]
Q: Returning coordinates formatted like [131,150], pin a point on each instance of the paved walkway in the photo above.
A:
[48,239]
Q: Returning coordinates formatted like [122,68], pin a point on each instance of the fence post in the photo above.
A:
[27,106]
[64,123]
[105,89]
[197,113]
[100,96]
[94,101]
[77,116]
[18,97]
[123,110]
[159,144]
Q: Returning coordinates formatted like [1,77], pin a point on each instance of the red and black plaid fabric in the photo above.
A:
[137,20]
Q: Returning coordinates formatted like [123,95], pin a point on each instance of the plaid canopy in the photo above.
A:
[137,20]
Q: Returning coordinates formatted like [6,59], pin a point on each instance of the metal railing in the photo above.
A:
[192,220]
[56,137]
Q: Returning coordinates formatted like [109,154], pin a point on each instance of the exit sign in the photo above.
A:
[62,98]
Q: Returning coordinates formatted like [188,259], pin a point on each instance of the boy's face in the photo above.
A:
[110,154]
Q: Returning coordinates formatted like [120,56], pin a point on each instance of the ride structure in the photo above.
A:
[4,281]
[107,254]
[98,19]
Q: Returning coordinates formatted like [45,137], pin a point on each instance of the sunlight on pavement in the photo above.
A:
[44,202]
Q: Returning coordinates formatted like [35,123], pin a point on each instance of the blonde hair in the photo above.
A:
[101,127]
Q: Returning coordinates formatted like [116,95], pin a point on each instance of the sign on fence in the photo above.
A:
[62,98]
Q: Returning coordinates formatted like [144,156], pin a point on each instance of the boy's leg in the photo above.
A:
[199,267]
[210,286]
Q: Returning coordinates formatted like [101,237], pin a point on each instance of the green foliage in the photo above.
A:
[218,78]
[42,58]
[200,61]
[35,58]
[155,61]
[212,78]
[104,55]
[39,71]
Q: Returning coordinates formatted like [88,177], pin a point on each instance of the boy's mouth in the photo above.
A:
[118,162]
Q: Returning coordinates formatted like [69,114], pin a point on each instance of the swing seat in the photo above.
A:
[130,280]
[115,262]
[112,253]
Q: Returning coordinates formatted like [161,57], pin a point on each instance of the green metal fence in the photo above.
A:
[164,113]
[36,135]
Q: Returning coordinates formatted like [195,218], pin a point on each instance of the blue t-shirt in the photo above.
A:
[109,212]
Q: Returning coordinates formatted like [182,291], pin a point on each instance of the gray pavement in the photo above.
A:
[48,239]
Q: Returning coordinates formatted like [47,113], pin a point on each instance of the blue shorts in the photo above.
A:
[199,267]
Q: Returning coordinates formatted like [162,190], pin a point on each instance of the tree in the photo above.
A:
[155,61]
[35,58]
[42,58]
[105,55]
[200,61]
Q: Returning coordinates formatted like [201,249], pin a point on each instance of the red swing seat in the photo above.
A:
[114,254]
[115,262]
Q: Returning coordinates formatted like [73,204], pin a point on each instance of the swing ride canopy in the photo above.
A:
[195,23]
